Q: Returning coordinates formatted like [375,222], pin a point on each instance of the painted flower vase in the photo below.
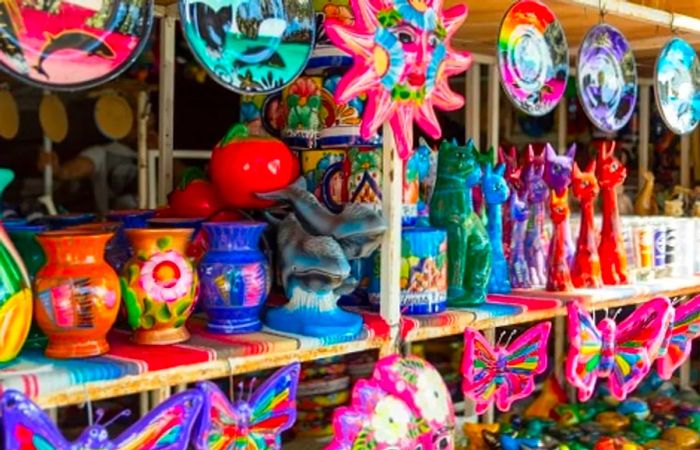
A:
[160,285]
[76,293]
[234,277]
[15,300]
[197,244]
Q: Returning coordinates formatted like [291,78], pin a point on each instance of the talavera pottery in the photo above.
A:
[69,46]
[76,293]
[159,285]
[234,277]
[325,175]
[533,57]
[606,78]
[250,47]
[198,241]
[15,301]
[677,86]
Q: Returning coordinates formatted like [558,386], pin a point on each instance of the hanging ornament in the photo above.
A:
[606,78]
[533,57]
[402,60]
[677,86]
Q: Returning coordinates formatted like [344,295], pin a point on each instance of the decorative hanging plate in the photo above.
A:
[533,57]
[677,86]
[250,47]
[71,44]
[113,116]
[53,118]
[9,115]
[606,78]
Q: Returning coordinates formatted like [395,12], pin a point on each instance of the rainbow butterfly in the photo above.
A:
[622,353]
[506,373]
[167,427]
[252,424]
[685,328]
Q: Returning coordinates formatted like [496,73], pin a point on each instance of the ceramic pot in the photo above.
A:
[76,293]
[117,248]
[197,244]
[234,276]
[15,300]
[160,285]
[131,218]
[62,221]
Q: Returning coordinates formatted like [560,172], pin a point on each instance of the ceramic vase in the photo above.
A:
[117,248]
[160,285]
[131,218]
[15,300]
[197,244]
[234,277]
[61,221]
[76,293]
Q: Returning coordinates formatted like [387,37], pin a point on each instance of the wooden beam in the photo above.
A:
[166,106]
[143,112]
[685,160]
[473,98]
[644,117]
[562,125]
[494,110]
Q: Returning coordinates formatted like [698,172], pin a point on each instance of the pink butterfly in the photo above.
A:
[685,328]
[506,373]
[622,353]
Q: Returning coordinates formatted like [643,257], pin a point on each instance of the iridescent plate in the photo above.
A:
[250,46]
[606,78]
[71,44]
[677,86]
[533,57]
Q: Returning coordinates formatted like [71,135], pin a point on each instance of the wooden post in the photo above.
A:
[562,125]
[143,114]
[494,110]
[166,105]
[559,347]
[473,95]
[685,160]
[644,117]
[489,414]
[392,191]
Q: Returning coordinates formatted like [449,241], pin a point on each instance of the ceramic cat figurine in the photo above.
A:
[557,175]
[558,274]
[585,271]
[611,173]
[520,213]
[469,250]
[496,192]
[535,239]
[645,204]
[512,177]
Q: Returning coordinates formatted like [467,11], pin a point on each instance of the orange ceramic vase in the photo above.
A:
[159,285]
[76,294]
[15,300]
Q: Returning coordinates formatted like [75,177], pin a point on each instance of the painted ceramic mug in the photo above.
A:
[325,175]
[76,293]
[295,114]
[159,284]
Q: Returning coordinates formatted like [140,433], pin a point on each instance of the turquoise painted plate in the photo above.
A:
[677,86]
[250,46]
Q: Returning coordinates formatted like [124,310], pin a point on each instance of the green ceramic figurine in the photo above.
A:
[451,207]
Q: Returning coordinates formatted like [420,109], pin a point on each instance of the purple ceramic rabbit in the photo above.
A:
[558,170]
[519,213]
[535,238]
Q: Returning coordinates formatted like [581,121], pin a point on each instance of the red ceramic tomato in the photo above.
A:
[197,199]
[243,166]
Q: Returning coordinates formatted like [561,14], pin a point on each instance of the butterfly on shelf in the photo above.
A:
[167,427]
[677,346]
[505,373]
[255,423]
[621,353]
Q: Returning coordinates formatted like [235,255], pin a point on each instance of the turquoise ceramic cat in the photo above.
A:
[495,191]
[451,208]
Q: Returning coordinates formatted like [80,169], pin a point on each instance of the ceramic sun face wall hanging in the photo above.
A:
[402,60]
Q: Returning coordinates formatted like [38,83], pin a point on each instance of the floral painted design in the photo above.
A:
[391,420]
[432,398]
[166,276]
[303,103]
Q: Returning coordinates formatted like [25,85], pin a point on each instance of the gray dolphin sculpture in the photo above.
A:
[358,228]
[315,261]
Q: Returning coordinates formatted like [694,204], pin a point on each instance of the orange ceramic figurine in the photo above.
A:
[76,293]
[159,285]
[15,300]
[613,257]
[558,274]
[585,271]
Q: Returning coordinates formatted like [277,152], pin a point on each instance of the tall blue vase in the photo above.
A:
[234,277]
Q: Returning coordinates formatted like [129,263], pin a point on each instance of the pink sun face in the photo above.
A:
[402,59]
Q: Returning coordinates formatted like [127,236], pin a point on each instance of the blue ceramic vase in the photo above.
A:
[131,218]
[234,277]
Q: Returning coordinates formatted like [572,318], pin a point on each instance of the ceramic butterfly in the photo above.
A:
[505,373]
[622,353]
[685,328]
[167,427]
[253,424]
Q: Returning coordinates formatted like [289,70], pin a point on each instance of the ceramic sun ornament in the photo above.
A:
[402,60]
